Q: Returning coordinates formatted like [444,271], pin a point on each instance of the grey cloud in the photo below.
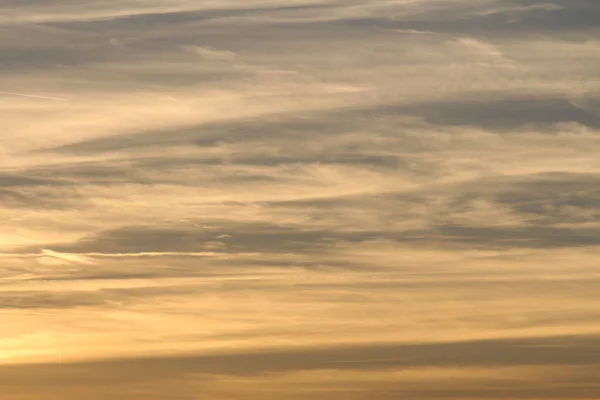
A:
[94,299]
[95,59]
[26,190]
[40,199]
[501,19]
[31,300]
[326,156]
[16,180]
[144,19]
[278,240]
[540,202]
[460,16]
[286,126]
[102,173]
[543,351]
[537,351]
[155,36]
[251,237]
[140,37]
[527,237]
[42,47]
[556,198]
[497,112]
[505,113]
[207,284]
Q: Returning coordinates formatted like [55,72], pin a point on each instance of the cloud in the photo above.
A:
[65,258]
[322,198]
[491,369]
[33,96]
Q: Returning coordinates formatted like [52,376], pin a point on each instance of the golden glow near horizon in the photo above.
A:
[271,200]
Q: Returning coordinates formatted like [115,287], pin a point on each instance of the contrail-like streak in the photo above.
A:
[31,96]
[51,253]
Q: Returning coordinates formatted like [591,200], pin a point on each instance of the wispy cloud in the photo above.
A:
[33,96]
[65,257]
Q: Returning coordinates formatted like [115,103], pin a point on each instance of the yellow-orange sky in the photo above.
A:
[384,199]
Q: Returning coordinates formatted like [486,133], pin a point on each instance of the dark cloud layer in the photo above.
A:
[542,203]
[510,17]
[510,113]
[560,351]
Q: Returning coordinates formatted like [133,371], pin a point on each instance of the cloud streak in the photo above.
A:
[33,96]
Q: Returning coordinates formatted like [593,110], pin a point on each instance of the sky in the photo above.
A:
[281,200]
